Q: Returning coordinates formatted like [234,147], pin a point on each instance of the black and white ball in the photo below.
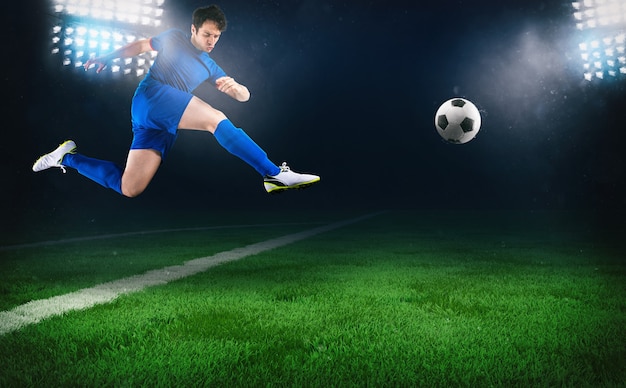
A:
[457,121]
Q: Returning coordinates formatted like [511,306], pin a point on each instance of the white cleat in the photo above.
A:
[287,179]
[54,158]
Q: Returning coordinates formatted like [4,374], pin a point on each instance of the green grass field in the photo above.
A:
[399,299]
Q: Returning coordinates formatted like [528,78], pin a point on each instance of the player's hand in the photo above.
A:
[96,62]
[234,89]
[225,84]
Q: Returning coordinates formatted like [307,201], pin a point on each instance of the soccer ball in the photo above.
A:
[457,120]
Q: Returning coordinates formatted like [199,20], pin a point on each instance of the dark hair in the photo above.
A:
[212,13]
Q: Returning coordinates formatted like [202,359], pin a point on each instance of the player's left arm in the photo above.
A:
[130,50]
[233,88]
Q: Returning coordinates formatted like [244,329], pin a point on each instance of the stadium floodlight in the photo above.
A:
[89,28]
[143,12]
[602,26]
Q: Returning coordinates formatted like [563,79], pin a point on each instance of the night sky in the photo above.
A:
[346,90]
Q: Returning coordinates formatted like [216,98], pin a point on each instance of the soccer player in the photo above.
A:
[163,104]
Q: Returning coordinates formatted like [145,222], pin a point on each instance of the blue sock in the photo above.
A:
[238,143]
[106,173]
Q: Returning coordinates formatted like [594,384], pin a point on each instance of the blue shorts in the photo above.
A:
[153,139]
[156,112]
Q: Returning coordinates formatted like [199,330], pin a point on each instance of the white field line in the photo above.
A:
[139,233]
[37,310]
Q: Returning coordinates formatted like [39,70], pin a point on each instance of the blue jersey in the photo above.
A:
[162,96]
[179,63]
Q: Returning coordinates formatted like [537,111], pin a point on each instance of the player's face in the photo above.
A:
[205,38]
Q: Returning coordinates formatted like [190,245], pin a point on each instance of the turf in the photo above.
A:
[401,299]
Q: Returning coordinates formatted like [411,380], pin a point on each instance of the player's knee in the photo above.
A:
[132,191]
[219,117]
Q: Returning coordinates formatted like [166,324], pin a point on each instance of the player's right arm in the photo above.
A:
[130,50]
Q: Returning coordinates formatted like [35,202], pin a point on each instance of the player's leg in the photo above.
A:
[106,173]
[141,166]
[131,181]
[199,115]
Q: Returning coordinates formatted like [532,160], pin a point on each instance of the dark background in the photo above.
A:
[347,90]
